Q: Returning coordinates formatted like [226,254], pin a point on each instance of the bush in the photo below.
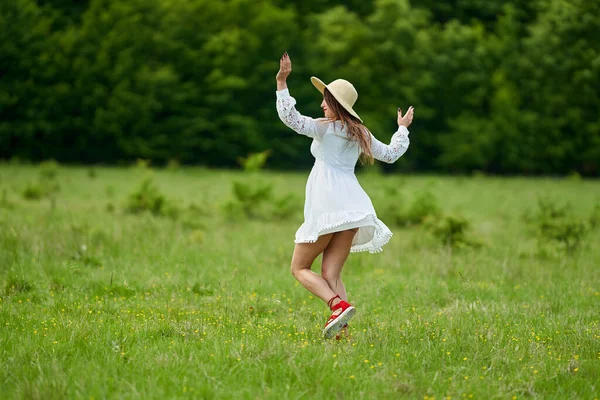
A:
[249,200]
[142,163]
[452,231]
[49,169]
[173,164]
[148,198]
[33,191]
[40,189]
[46,185]
[255,161]
[555,223]
[286,207]
[256,201]
[423,207]
[15,285]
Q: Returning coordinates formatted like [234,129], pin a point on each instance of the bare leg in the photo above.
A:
[334,257]
[304,256]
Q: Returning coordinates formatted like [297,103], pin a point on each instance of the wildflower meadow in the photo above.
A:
[136,282]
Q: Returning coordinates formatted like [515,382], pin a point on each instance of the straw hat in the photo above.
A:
[342,90]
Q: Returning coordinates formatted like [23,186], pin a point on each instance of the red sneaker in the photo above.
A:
[343,333]
[342,313]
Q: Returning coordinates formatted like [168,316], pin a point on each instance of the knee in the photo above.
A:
[295,269]
[329,276]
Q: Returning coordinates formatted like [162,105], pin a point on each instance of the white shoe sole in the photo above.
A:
[336,326]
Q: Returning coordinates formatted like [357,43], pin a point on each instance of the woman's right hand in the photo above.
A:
[285,68]
[406,120]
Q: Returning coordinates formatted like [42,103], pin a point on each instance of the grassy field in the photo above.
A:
[97,302]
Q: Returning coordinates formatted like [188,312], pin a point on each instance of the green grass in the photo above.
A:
[99,303]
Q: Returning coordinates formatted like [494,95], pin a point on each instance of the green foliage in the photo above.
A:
[14,285]
[452,230]
[255,161]
[49,169]
[202,290]
[161,298]
[255,199]
[46,185]
[286,207]
[557,224]
[149,198]
[423,207]
[173,164]
[111,81]
[250,199]
[33,191]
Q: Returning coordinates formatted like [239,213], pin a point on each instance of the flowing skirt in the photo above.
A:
[336,202]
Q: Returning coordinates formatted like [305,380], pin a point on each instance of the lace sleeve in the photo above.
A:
[389,153]
[314,128]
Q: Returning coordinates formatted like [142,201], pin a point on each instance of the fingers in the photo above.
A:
[410,112]
[285,63]
[399,112]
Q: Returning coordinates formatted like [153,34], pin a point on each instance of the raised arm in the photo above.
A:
[314,128]
[389,153]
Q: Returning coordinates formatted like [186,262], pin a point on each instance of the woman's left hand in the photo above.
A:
[406,120]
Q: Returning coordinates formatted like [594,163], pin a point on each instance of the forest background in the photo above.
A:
[501,87]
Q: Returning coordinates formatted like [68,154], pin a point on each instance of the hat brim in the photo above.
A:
[318,84]
[321,88]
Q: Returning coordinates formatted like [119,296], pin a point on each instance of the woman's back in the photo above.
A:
[335,148]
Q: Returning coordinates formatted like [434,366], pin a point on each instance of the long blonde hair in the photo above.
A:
[356,130]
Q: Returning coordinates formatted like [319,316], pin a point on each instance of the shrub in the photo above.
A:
[249,200]
[423,207]
[142,163]
[149,198]
[49,169]
[452,231]
[555,223]
[173,164]
[46,185]
[256,201]
[40,189]
[255,161]
[17,285]
[286,207]
[33,191]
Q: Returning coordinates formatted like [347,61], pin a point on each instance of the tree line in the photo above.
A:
[499,86]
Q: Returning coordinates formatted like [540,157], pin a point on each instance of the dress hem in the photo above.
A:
[381,237]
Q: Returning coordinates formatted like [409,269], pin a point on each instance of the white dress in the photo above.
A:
[335,201]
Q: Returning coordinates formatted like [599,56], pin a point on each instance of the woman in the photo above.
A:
[339,216]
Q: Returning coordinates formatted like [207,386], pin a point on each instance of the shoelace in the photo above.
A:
[330,302]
